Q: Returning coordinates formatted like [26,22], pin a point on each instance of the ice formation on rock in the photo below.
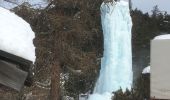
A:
[16,35]
[116,64]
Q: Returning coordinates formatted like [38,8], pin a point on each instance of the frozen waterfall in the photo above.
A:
[116,64]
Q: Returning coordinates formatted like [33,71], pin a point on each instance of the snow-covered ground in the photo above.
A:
[16,35]
[36,4]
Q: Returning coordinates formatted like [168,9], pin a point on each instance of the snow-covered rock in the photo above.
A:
[16,35]
[146,70]
[162,37]
[36,4]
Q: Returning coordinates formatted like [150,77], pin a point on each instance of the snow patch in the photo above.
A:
[105,96]
[162,37]
[16,35]
[146,70]
[38,4]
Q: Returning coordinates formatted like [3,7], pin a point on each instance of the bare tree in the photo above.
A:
[130,4]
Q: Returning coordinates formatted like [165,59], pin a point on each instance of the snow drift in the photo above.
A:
[16,35]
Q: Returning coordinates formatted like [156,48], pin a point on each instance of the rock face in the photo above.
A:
[116,64]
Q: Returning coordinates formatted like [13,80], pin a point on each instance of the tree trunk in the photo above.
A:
[55,70]
[55,81]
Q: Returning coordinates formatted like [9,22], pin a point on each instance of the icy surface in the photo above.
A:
[161,37]
[37,4]
[146,70]
[116,64]
[16,35]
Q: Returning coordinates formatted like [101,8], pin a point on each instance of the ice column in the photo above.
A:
[116,63]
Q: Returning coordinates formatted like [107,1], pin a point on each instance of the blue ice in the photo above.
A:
[116,63]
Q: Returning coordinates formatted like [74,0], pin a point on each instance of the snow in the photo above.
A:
[16,35]
[116,63]
[7,5]
[36,4]
[96,96]
[162,37]
[146,70]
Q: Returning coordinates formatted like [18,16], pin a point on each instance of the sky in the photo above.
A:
[147,5]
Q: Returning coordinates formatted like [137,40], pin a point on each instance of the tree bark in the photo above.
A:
[55,69]
[55,81]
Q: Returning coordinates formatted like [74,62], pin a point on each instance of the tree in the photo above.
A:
[130,4]
[155,11]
